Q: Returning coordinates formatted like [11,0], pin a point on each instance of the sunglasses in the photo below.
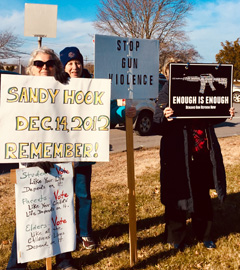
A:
[40,64]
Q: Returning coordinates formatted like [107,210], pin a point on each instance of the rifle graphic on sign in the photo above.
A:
[204,79]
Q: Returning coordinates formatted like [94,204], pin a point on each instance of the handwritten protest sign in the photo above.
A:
[44,212]
[44,120]
[200,90]
[132,65]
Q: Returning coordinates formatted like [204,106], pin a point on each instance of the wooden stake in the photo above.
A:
[131,190]
[48,263]
[13,176]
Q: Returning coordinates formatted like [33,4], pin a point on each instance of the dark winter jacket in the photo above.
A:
[175,154]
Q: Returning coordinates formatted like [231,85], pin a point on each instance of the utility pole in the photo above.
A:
[19,65]
[39,42]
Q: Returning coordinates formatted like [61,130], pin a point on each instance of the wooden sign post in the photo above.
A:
[48,263]
[131,191]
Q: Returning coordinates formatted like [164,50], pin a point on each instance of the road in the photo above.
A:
[118,135]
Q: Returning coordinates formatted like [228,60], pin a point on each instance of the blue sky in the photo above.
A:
[210,23]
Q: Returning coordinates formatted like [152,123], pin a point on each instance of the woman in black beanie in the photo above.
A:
[72,61]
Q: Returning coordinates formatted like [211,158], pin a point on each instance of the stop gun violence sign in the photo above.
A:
[131,64]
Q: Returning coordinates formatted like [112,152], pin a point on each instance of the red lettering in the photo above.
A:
[60,196]
[57,222]
[61,170]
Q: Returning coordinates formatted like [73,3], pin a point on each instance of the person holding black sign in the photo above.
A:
[43,62]
[191,165]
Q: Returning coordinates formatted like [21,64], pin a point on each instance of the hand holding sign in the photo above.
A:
[168,112]
[232,112]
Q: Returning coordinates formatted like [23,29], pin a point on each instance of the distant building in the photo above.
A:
[14,67]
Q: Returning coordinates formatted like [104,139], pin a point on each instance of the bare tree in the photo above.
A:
[181,51]
[150,19]
[9,45]
[89,67]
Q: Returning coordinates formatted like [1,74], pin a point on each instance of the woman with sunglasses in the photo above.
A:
[43,62]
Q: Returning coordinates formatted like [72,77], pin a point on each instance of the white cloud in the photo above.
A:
[209,24]
[13,22]
[213,23]
[76,32]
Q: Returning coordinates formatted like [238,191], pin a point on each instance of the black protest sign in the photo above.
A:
[200,90]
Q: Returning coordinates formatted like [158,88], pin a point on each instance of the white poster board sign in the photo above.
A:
[132,65]
[44,212]
[44,120]
[47,14]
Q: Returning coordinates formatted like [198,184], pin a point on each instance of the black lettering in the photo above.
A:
[119,45]
[122,79]
[137,45]
[131,46]
[129,62]
[144,79]
[123,62]
[135,62]
[139,79]
[134,79]
[128,81]
[151,80]
[124,42]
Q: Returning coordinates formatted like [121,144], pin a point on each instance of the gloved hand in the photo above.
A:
[46,166]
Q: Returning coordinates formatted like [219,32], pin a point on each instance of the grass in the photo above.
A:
[110,224]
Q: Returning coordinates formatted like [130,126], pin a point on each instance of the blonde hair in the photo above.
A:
[166,67]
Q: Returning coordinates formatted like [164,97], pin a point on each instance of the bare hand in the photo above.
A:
[168,112]
[232,112]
